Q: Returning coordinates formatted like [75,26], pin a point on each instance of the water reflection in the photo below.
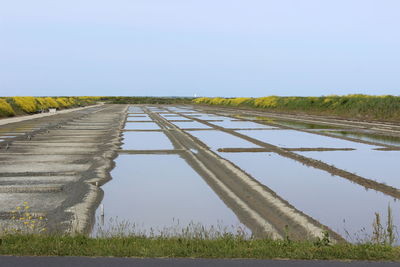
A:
[241,124]
[388,140]
[145,140]
[382,166]
[334,201]
[191,124]
[293,138]
[156,191]
[217,139]
[141,126]
[293,123]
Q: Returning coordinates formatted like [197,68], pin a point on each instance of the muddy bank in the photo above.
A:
[55,163]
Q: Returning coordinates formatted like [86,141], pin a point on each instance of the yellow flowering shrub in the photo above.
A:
[51,102]
[10,106]
[6,109]
[26,103]
[238,101]
[202,100]
[218,101]
[62,101]
[386,107]
[266,102]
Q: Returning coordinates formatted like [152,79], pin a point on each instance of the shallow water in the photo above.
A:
[332,200]
[293,138]
[298,124]
[211,117]
[290,123]
[173,117]
[141,126]
[183,110]
[388,140]
[241,124]
[381,166]
[157,191]
[146,141]
[217,139]
[191,124]
[137,116]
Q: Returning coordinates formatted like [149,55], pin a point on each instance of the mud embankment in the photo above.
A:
[56,165]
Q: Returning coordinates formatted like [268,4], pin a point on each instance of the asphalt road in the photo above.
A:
[122,262]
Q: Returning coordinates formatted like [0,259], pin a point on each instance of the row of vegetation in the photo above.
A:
[228,246]
[18,105]
[146,100]
[351,106]
[26,234]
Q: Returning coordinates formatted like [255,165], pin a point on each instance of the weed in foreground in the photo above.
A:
[24,221]
[381,234]
[123,228]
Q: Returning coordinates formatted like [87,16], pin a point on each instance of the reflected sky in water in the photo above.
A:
[217,139]
[156,191]
[382,166]
[141,126]
[190,124]
[145,140]
[293,138]
[388,140]
[328,199]
[240,124]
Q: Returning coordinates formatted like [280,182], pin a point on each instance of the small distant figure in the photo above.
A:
[52,110]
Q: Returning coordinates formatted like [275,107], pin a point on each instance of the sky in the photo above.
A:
[226,48]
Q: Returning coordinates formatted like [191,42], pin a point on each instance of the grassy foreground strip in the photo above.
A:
[225,247]
[350,106]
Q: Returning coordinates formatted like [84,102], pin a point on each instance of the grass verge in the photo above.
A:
[224,247]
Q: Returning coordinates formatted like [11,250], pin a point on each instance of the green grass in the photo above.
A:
[124,239]
[224,247]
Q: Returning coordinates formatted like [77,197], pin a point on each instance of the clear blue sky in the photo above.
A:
[203,47]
